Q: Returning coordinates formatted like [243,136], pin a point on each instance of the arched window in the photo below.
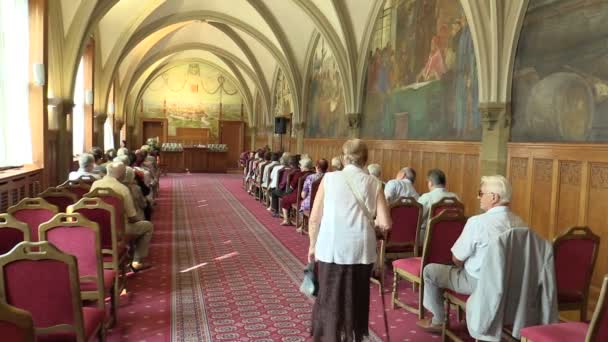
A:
[108,133]
[15,131]
[78,112]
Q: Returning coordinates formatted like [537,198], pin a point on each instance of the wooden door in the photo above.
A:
[232,133]
[152,129]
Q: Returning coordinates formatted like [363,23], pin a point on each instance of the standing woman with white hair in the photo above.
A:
[343,242]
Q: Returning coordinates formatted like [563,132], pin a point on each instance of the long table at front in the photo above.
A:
[194,159]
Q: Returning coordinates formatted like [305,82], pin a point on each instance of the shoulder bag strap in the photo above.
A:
[359,198]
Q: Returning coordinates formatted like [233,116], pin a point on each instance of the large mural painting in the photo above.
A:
[283,101]
[421,76]
[560,77]
[191,95]
[325,117]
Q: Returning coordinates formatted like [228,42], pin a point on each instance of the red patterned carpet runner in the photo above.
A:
[225,270]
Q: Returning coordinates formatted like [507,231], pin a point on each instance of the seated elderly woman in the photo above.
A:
[86,166]
[336,164]
[321,168]
[138,197]
[292,196]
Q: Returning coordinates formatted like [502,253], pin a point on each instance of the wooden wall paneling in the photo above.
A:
[568,195]
[542,183]
[454,175]
[518,176]
[597,207]
[470,184]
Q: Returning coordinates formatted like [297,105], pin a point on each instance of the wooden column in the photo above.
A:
[38,18]
[89,74]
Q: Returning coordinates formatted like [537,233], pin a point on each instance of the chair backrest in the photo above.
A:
[87,179]
[16,324]
[445,203]
[33,212]
[598,328]
[12,231]
[116,201]
[442,232]
[575,253]
[77,187]
[301,181]
[406,214]
[280,176]
[102,213]
[313,190]
[62,198]
[39,278]
[76,235]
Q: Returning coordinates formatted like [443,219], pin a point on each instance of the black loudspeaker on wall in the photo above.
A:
[280,125]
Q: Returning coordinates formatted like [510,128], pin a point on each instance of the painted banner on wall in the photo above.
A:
[560,78]
[421,76]
[191,95]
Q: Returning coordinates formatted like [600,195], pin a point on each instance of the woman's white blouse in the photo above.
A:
[346,235]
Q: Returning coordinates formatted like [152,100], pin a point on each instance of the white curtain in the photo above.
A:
[78,112]
[15,131]
[108,134]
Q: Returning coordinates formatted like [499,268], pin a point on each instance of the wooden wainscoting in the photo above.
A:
[260,142]
[459,161]
[556,186]
[18,184]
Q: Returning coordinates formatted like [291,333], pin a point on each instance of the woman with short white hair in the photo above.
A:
[336,164]
[343,242]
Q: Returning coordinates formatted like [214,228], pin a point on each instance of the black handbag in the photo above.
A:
[310,284]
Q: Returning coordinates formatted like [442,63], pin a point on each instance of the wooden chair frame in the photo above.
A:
[75,184]
[446,215]
[575,233]
[78,220]
[58,192]
[117,264]
[406,202]
[87,179]
[30,203]
[20,318]
[10,222]
[101,192]
[44,250]
[451,202]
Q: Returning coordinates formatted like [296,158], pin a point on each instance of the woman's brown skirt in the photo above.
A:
[341,311]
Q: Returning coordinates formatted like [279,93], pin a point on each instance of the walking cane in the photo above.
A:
[382,246]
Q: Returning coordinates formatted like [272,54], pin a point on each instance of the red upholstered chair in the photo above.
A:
[445,203]
[406,214]
[45,283]
[87,179]
[76,235]
[442,232]
[596,331]
[16,324]
[115,200]
[33,212]
[12,232]
[575,253]
[61,198]
[77,187]
[112,242]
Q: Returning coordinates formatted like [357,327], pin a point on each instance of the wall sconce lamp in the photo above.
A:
[38,73]
[88,97]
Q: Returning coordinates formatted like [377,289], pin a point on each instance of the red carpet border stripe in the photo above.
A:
[239,282]
[144,313]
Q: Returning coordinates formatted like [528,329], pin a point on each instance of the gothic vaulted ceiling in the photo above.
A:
[249,40]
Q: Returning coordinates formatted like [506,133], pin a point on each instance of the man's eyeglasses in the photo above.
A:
[481,193]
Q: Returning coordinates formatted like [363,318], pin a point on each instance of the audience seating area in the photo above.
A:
[73,241]
[407,252]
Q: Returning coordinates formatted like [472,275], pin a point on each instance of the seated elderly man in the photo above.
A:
[274,160]
[137,229]
[470,249]
[274,174]
[86,166]
[437,191]
[401,186]
[336,164]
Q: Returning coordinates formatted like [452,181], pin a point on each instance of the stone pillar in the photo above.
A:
[252,132]
[118,124]
[496,129]
[98,130]
[354,125]
[62,150]
[299,128]
[269,135]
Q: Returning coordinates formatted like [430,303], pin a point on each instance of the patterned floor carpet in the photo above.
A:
[225,270]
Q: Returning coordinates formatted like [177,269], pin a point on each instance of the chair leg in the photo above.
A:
[395,283]
[583,314]
[101,334]
[446,320]
[420,304]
